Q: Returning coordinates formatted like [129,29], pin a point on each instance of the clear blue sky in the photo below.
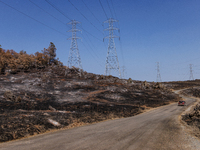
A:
[165,31]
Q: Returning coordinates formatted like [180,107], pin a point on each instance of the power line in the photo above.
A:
[47,13]
[32,18]
[114,12]
[70,19]
[91,12]
[92,54]
[90,34]
[84,16]
[60,20]
[189,60]
[185,75]
[91,43]
[93,50]
[58,10]
[114,9]
[91,47]
[109,8]
[103,9]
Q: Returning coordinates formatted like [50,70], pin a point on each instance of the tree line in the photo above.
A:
[13,62]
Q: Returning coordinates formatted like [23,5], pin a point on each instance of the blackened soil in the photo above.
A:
[17,123]
[177,85]
[29,100]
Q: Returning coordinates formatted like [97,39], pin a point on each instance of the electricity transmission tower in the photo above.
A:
[191,73]
[74,56]
[112,63]
[158,73]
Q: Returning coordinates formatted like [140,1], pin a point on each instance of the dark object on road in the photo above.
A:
[181,103]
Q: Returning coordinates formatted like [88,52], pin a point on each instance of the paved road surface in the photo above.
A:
[154,130]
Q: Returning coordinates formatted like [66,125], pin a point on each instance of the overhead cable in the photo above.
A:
[60,20]
[91,12]
[32,18]
[92,54]
[58,10]
[114,9]
[109,8]
[91,47]
[103,9]
[90,33]
[84,16]
[47,12]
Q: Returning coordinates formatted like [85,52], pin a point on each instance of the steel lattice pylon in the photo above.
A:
[191,73]
[158,73]
[112,63]
[74,56]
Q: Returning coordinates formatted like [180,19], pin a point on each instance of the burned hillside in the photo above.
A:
[177,85]
[54,97]
[193,118]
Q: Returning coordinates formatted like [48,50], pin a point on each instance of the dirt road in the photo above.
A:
[154,130]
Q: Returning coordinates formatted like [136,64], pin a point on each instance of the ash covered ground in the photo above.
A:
[193,118]
[191,88]
[45,99]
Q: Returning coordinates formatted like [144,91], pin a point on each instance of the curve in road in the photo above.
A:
[154,130]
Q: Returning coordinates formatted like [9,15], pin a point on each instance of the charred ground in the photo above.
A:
[52,98]
[191,88]
[193,118]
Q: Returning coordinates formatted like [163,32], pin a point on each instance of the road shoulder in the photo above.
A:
[190,132]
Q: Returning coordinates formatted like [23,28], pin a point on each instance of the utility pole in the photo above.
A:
[158,73]
[191,73]
[112,63]
[74,56]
